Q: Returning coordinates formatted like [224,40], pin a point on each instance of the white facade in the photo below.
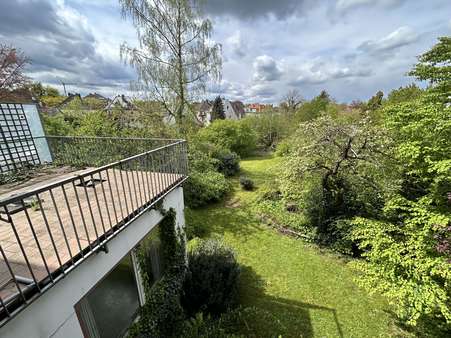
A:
[53,314]
[229,111]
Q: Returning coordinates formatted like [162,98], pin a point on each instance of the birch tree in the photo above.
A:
[175,58]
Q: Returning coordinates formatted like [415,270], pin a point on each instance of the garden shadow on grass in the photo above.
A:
[294,316]
[219,220]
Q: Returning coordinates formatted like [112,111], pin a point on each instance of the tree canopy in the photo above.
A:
[175,58]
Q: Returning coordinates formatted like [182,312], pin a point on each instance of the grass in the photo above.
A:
[311,292]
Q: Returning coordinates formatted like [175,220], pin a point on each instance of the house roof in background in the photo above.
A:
[238,107]
[17,96]
[96,96]
[120,101]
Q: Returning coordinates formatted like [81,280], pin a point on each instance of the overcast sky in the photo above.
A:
[351,48]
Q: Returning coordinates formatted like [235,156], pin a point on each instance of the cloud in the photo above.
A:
[346,5]
[251,9]
[226,88]
[257,92]
[318,72]
[60,44]
[266,69]
[237,45]
[400,37]
[262,90]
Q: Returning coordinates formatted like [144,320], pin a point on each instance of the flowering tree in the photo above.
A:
[12,64]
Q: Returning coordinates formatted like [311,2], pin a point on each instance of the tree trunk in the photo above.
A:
[181,77]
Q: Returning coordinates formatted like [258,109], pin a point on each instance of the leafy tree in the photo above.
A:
[57,125]
[375,102]
[270,127]
[233,135]
[217,111]
[404,94]
[435,67]
[314,108]
[40,91]
[176,58]
[407,247]
[324,96]
[97,123]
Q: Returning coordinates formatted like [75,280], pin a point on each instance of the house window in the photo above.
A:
[110,307]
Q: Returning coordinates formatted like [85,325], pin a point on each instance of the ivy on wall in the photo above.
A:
[162,315]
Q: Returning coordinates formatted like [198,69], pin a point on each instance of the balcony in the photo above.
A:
[92,190]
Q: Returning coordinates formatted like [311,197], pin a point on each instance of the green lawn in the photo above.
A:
[312,293]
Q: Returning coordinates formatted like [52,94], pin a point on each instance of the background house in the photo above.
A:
[255,108]
[233,110]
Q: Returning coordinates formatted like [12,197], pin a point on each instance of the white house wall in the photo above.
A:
[229,111]
[53,314]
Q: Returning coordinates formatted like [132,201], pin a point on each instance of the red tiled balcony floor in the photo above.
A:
[74,223]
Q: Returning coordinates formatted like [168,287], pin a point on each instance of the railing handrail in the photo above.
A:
[71,220]
[89,172]
[108,138]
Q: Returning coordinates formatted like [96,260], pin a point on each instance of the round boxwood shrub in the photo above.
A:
[211,283]
[228,163]
[246,183]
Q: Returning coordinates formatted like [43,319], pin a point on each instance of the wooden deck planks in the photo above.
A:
[77,212]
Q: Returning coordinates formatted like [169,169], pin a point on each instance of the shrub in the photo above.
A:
[200,157]
[228,163]
[204,187]
[283,148]
[211,284]
[56,125]
[236,136]
[246,183]
[202,326]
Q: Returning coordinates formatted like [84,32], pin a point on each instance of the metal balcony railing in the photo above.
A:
[47,231]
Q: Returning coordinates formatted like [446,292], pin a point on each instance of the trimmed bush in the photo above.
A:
[204,187]
[211,284]
[246,183]
[228,163]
